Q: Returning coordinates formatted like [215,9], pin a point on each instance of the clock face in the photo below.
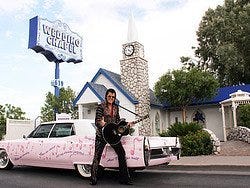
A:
[129,50]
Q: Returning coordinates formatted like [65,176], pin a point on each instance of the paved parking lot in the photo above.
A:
[235,148]
[233,153]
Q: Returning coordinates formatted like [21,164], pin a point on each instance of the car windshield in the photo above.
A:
[41,131]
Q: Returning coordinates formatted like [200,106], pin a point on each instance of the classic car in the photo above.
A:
[69,144]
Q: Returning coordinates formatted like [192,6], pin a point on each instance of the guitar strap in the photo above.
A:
[129,110]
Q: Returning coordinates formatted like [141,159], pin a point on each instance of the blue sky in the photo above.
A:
[166,28]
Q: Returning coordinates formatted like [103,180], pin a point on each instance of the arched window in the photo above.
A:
[199,117]
[157,123]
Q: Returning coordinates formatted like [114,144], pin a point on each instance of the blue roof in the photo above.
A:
[154,101]
[115,79]
[100,90]
[97,89]
[223,93]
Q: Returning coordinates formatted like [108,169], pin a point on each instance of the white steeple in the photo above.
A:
[132,31]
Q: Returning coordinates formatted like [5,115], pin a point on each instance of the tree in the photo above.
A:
[243,117]
[63,104]
[223,42]
[11,112]
[181,88]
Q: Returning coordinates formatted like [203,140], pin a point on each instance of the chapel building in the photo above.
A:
[137,100]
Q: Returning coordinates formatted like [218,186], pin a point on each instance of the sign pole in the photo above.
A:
[56,85]
[57,78]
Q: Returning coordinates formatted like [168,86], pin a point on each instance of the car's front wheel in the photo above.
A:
[5,162]
[84,170]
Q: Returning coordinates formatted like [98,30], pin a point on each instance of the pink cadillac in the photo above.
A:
[69,144]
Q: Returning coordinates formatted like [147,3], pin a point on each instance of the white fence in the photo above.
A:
[17,128]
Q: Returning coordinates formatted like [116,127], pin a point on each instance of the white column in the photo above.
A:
[223,122]
[234,114]
[80,111]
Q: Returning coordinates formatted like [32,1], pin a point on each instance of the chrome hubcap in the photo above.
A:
[86,168]
[3,158]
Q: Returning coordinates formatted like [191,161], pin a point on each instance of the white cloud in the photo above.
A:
[167,33]
[18,8]
[8,34]
[48,4]
[166,28]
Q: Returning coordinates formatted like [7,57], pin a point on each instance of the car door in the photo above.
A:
[58,148]
[34,145]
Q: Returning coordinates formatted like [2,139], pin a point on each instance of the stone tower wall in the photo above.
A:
[134,76]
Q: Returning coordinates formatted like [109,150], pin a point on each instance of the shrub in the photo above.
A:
[194,140]
[244,115]
[198,143]
[182,129]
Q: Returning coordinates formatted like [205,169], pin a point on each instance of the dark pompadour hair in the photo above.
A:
[110,90]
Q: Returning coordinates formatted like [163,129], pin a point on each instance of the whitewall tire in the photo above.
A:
[84,170]
[5,162]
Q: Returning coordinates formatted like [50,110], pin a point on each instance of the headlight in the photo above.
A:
[146,149]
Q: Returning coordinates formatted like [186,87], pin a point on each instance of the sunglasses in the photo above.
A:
[111,97]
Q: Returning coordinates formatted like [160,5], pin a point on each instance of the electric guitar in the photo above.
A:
[113,132]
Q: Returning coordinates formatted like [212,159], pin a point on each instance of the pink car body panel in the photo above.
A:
[65,152]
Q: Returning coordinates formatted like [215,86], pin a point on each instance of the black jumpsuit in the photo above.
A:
[109,117]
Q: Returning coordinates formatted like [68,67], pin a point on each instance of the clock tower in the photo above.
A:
[134,75]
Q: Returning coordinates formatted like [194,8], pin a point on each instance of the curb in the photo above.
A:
[212,160]
[201,167]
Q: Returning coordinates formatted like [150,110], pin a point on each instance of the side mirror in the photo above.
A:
[24,136]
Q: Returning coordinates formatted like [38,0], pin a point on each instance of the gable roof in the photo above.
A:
[99,90]
[115,79]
